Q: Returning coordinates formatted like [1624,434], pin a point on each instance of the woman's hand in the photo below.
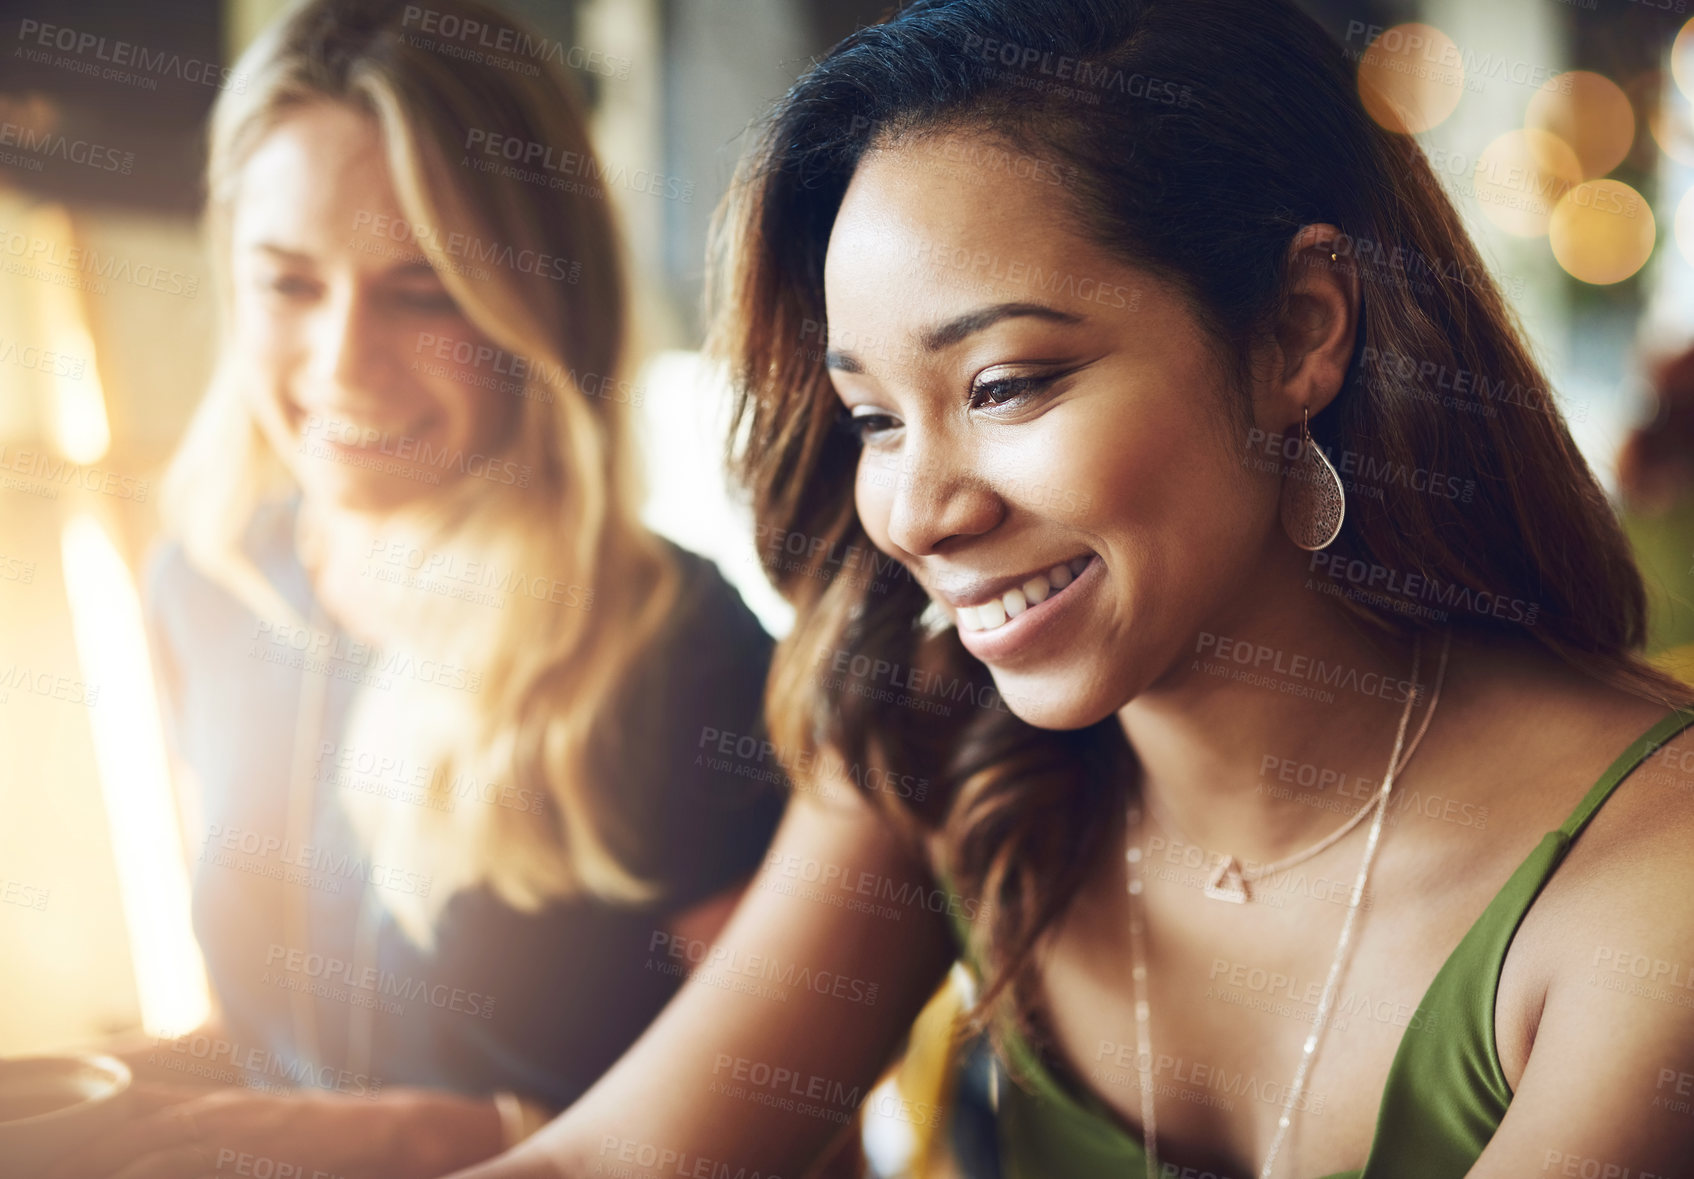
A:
[178,1132]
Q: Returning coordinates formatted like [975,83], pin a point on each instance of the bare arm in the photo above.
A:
[732,1074]
[1609,1084]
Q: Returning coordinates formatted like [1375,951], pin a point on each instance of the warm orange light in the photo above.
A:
[1521,176]
[1591,113]
[1411,77]
[1602,232]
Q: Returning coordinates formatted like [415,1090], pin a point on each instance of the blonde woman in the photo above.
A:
[445,705]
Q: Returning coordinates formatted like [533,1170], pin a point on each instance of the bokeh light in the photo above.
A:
[1602,232]
[1520,178]
[1682,59]
[1411,77]
[1685,225]
[1668,114]
[1591,113]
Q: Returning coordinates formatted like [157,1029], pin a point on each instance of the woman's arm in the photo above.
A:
[766,1053]
[181,1133]
[1609,1085]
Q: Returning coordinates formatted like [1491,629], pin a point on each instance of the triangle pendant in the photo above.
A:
[1227,883]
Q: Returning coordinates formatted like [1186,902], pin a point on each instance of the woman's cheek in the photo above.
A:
[873,491]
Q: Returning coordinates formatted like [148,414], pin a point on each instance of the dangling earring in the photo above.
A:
[1313,500]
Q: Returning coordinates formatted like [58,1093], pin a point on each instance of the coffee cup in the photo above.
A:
[51,1105]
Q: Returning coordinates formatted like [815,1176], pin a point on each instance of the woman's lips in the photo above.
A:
[1041,628]
[996,612]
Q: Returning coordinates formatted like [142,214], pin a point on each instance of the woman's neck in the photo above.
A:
[335,546]
[1266,711]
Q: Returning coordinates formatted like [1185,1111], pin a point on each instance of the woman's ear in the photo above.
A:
[1312,339]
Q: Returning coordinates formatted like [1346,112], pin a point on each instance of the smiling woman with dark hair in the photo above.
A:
[1306,799]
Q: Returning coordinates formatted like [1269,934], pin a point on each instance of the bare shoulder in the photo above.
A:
[1625,886]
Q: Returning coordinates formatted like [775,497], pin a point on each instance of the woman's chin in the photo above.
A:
[363,494]
[1047,704]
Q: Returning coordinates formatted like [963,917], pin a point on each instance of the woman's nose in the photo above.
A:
[937,495]
[352,356]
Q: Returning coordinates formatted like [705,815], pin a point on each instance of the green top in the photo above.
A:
[1446,1091]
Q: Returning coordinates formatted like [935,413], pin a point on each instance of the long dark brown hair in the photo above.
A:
[1200,136]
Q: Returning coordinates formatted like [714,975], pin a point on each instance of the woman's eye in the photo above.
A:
[989,394]
[426,300]
[290,286]
[866,427]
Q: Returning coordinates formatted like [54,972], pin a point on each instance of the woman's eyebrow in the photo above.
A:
[282,253]
[950,332]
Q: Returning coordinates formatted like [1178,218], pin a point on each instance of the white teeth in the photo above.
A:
[995,611]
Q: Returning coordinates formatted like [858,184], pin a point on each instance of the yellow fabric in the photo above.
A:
[925,1078]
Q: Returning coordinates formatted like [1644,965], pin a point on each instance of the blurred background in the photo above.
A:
[1544,119]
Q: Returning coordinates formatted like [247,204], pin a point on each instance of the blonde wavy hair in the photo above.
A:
[549,717]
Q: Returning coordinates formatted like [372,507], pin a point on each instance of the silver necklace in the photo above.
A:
[1230,877]
[1137,934]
